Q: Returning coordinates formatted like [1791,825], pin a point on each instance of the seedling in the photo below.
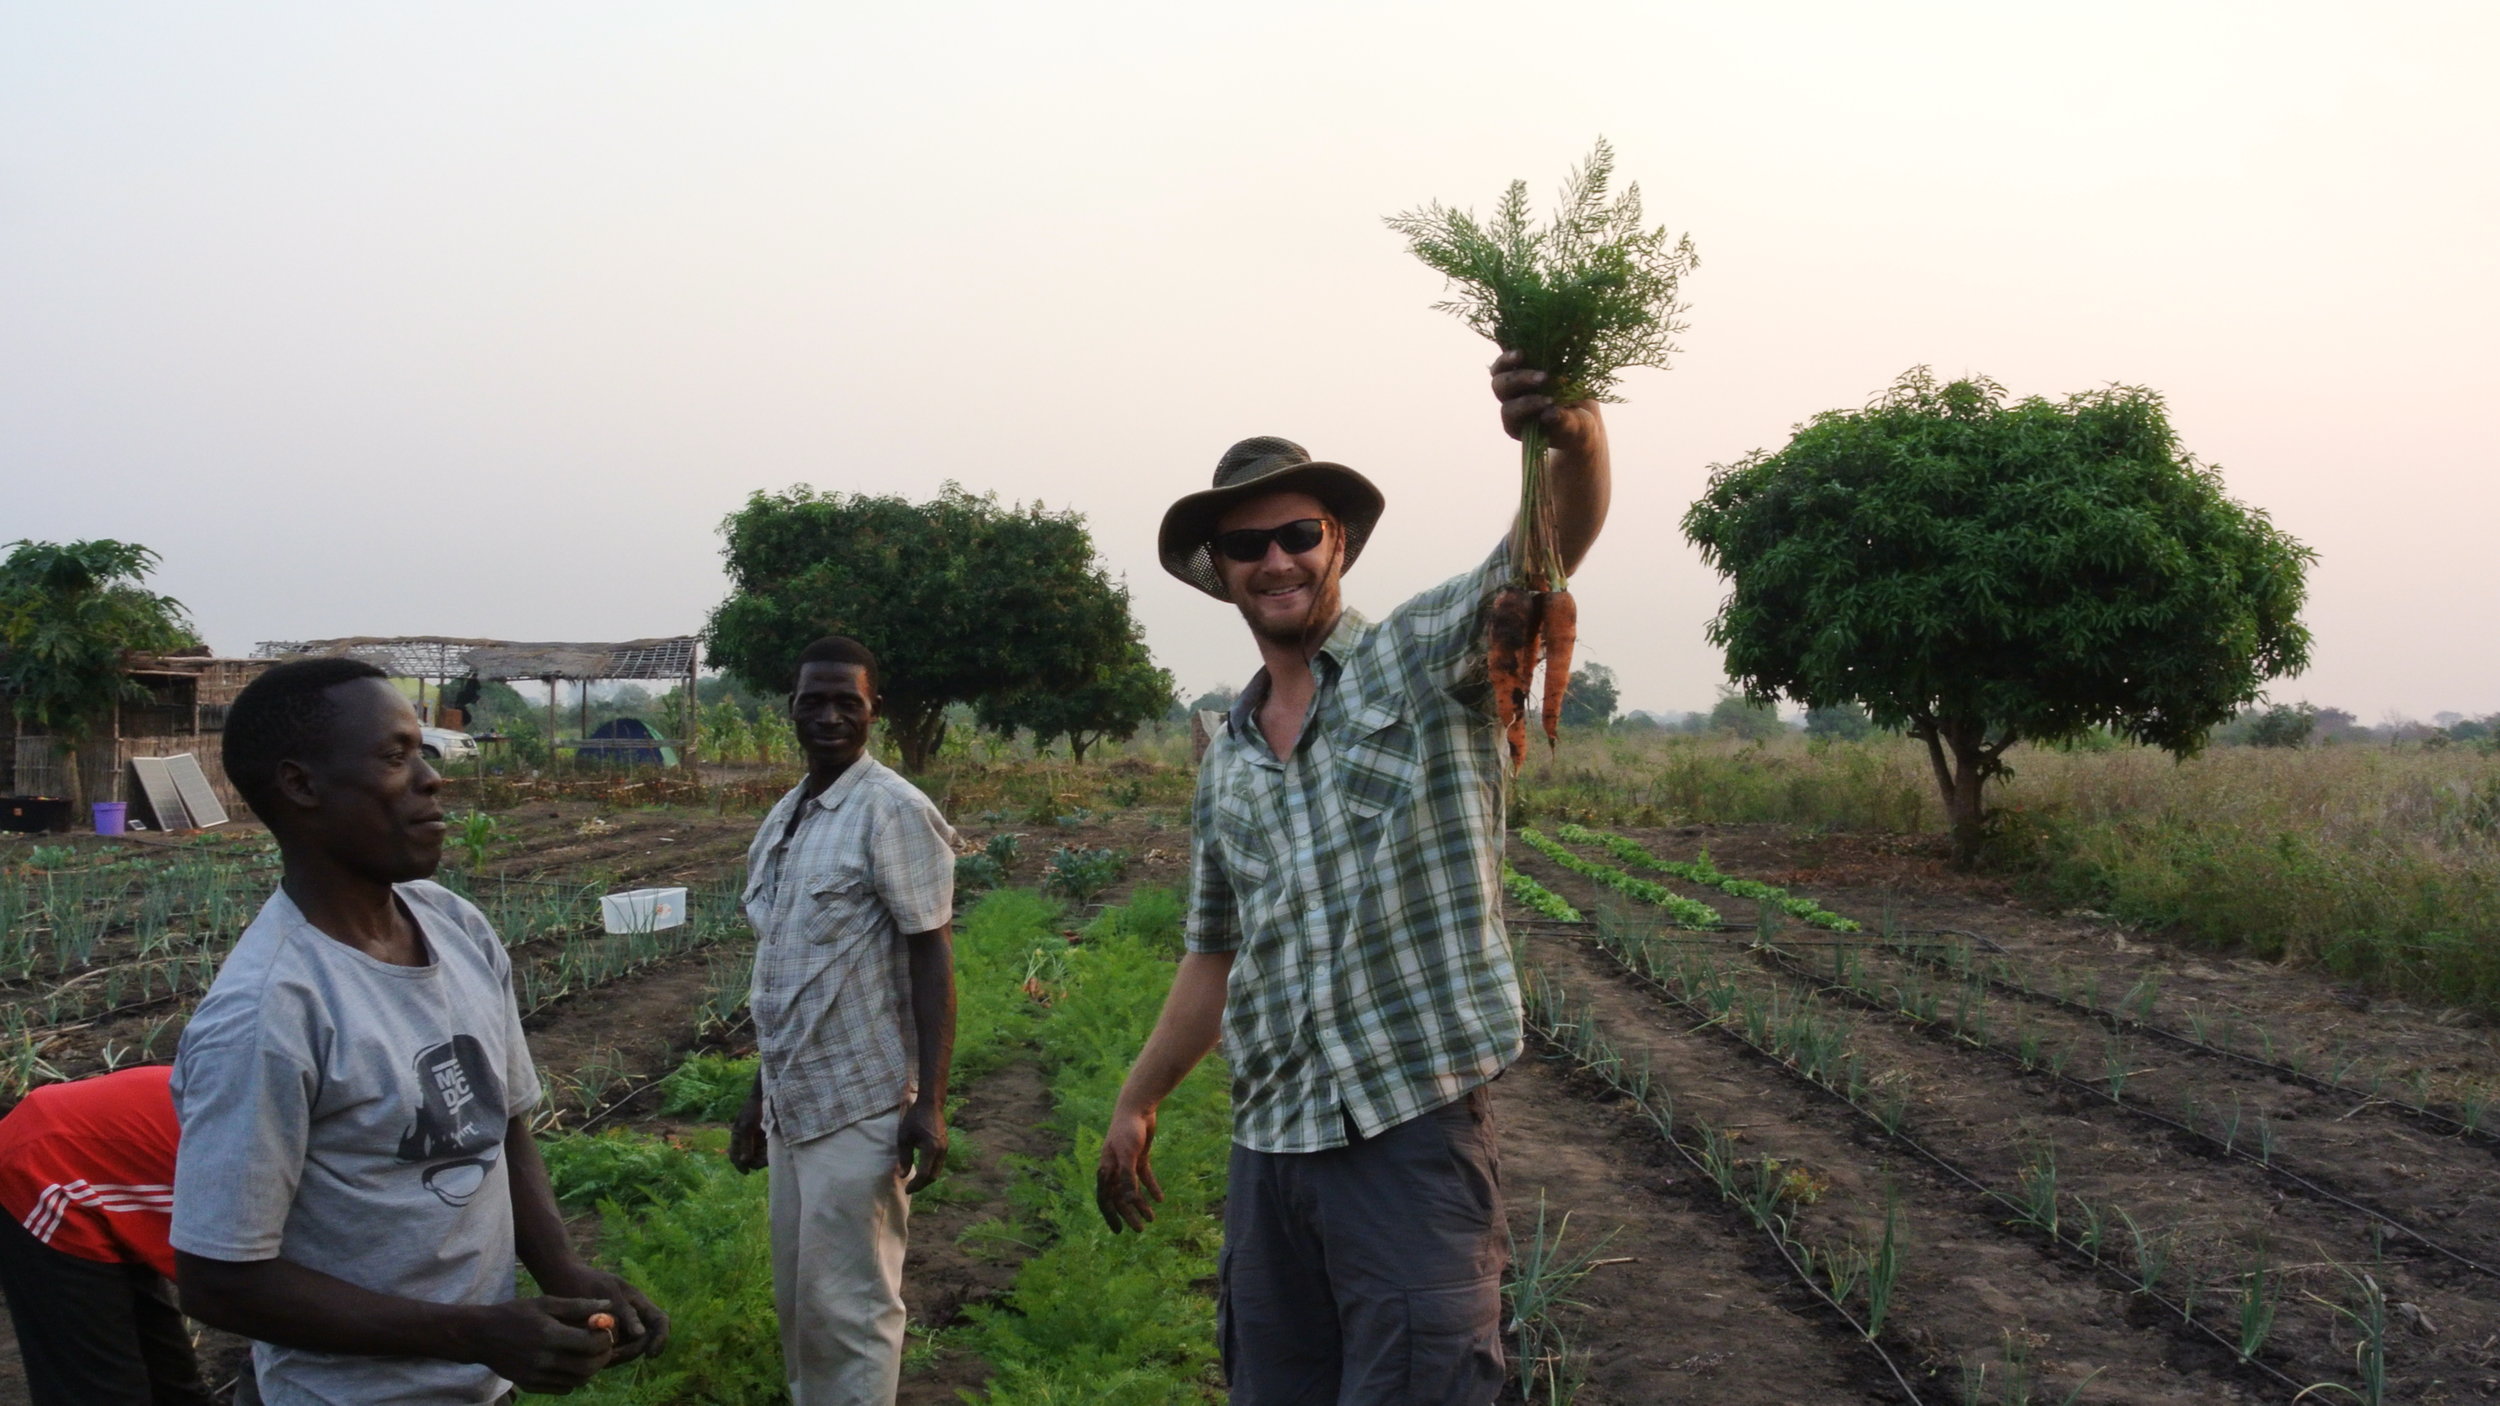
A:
[2365,1308]
[2094,1225]
[2152,1253]
[2256,1304]
[2038,1181]
[1883,1265]
[1543,1275]
[2114,1063]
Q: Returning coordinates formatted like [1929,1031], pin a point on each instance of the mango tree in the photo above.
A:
[1979,572]
[961,598]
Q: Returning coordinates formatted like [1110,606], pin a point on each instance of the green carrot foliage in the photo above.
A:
[1584,296]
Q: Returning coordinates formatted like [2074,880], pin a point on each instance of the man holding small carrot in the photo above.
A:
[355,1174]
[1345,935]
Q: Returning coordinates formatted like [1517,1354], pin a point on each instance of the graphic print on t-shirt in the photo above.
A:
[459,1125]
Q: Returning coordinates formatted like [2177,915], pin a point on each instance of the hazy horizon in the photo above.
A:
[476,321]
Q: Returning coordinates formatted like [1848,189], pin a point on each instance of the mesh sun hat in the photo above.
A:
[1251,469]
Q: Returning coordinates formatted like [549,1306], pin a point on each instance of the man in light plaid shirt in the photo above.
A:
[851,890]
[1346,941]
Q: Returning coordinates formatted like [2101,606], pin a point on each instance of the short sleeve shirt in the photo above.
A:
[348,1115]
[88,1167]
[1357,882]
[871,863]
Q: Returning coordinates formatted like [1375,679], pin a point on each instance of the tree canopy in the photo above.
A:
[1592,697]
[961,598]
[1113,704]
[68,615]
[1979,572]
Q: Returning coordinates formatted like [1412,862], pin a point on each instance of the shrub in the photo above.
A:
[1081,874]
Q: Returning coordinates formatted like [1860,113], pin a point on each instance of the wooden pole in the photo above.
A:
[551,720]
[694,719]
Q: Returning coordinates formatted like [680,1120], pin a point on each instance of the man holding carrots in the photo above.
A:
[851,891]
[356,1173]
[1345,937]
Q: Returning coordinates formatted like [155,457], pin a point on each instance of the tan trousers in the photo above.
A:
[839,1217]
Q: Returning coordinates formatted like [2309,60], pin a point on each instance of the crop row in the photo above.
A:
[1959,1012]
[1700,872]
[2223,1037]
[1812,1045]
[1686,912]
[1853,1280]
[1536,897]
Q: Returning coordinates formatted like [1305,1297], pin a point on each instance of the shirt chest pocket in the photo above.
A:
[841,907]
[1379,763]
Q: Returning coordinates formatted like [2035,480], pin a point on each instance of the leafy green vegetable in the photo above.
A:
[1583,297]
[709,1087]
[1097,1317]
[1536,897]
[619,1169]
[706,1255]
[1082,873]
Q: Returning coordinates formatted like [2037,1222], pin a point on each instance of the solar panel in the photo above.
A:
[164,798]
[198,797]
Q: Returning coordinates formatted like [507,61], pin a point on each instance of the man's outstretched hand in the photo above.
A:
[1576,429]
[1124,1180]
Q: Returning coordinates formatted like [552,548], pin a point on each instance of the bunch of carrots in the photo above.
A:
[1583,297]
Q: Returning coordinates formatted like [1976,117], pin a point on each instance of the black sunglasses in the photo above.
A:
[1250,543]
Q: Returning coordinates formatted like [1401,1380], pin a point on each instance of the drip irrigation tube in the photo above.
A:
[1664,1121]
[1951,1169]
[2229,1151]
[2123,1024]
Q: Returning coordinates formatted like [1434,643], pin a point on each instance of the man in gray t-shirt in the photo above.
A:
[356,1173]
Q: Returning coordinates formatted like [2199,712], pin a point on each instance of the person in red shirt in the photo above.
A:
[86,1179]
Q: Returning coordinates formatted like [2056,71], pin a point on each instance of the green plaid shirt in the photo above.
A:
[1357,883]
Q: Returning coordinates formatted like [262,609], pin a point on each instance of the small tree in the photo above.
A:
[1752,719]
[960,597]
[1841,722]
[1591,701]
[68,617]
[1979,573]
[2283,725]
[1114,704]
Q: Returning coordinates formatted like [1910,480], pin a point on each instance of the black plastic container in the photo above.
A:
[33,814]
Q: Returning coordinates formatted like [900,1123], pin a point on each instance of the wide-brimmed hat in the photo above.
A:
[1253,469]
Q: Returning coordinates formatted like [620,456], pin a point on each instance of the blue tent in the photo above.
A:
[616,731]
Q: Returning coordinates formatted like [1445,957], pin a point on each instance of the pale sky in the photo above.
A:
[476,319]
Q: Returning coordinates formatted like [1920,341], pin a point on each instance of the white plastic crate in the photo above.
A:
[643,910]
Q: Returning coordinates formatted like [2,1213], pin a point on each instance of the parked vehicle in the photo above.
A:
[441,743]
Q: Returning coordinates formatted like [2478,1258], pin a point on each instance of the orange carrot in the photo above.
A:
[1510,660]
[605,1323]
[1559,619]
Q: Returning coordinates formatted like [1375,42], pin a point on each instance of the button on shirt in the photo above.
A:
[871,862]
[1357,882]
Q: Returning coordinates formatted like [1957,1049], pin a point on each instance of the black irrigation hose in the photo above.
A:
[2124,1024]
[1949,1168]
[2229,1151]
[1779,1245]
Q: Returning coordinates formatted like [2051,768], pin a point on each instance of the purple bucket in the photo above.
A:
[111,817]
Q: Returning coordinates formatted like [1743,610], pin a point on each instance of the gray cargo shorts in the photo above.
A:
[1370,1274]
